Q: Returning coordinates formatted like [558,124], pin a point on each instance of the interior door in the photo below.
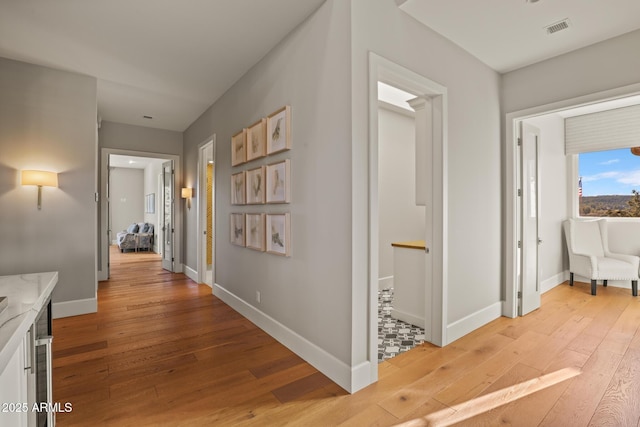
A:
[206,187]
[167,215]
[109,229]
[529,213]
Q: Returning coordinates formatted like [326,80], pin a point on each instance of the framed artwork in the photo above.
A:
[277,181]
[255,186]
[239,148]
[150,203]
[255,231]
[278,130]
[238,188]
[237,228]
[278,234]
[257,140]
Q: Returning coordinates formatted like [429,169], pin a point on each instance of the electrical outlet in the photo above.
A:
[258,296]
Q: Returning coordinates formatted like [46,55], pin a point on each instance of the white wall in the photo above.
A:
[606,69]
[400,218]
[474,192]
[309,294]
[127,198]
[48,121]
[139,139]
[553,258]
[151,173]
[610,64]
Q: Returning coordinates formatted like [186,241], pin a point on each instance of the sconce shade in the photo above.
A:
[187,193]
[39,178]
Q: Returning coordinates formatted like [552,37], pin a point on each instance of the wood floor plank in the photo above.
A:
[578,403]
[620,405]
[162,350]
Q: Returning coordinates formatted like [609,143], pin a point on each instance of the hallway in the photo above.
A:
[163,351]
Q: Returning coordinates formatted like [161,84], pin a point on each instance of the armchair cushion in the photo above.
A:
[587,238]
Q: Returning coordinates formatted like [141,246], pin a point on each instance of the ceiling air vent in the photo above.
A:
[558,26]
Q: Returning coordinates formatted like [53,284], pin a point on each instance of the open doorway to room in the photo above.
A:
[538,261]
[206,213]
[401,227]
[139,188]
[135,203]
[423,262]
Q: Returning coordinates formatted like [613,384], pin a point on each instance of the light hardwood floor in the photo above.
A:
[163,351]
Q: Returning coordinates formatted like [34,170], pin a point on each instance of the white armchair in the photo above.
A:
[589,255]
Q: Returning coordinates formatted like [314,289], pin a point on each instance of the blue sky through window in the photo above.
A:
[609,172]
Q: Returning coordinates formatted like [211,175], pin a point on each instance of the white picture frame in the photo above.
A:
[255,185]
[254,231]
[257,140]
[279,130]
[238,188]
[237,229]
[278,182]
[278,234]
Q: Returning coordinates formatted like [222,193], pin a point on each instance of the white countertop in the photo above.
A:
[27,294]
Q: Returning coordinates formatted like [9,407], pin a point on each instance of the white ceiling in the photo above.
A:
[509,34]
[170,60]
[167,59]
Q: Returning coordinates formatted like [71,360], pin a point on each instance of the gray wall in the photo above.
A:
[139,138]
[606,65]
[400,218]
[127,198]
[474,197]
[310,292]
[48,121]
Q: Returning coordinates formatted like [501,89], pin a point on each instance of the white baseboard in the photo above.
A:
[470,323]
[74,308]
[191,273]
[553,281]
[408,318]
[385,283]
[351,379]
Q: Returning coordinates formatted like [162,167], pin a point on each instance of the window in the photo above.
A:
[608,183]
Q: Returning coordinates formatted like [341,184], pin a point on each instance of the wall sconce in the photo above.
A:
[39,178]
[187,193]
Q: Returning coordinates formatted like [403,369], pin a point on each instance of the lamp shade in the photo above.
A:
[187,193]
[39,178]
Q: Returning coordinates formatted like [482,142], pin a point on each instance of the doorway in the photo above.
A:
[557,197]
[430,149]
[107,231]
[401,309]
[206,213]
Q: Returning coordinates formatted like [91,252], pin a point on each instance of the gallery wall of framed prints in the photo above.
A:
[262,183]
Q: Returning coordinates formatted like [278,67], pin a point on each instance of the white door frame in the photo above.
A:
[510,304]
[381,69]
[103,240]
[202,209]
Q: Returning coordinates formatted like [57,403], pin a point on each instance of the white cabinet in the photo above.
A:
[14,385]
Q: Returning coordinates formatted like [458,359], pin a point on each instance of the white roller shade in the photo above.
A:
[606,130]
